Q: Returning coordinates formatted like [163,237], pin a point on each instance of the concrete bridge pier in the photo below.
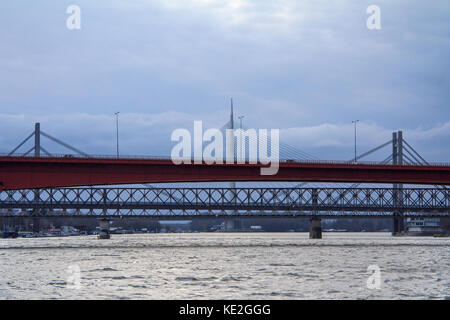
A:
[36,225]
[315,228]
[104,229]
[397,228]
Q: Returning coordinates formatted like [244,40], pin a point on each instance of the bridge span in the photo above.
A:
[51,172]
[226,202]
[39,186]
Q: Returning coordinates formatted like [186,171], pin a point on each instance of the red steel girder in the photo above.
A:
[29,172]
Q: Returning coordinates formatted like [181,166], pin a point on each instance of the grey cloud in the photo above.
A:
[288,64]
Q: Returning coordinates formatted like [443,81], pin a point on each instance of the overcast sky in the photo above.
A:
[306,67]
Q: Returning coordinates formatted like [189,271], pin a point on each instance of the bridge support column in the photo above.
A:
[397,228]
[397,159]
[36,225]
[315,228]
[104,229]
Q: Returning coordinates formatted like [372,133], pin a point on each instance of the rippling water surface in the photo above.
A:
[225,266]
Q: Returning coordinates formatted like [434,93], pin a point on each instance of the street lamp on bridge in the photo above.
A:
[117,132]
[355,121]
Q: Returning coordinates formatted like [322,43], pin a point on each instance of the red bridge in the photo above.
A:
[51,172]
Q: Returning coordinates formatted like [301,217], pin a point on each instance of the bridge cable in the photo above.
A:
[21,144]
[64,144]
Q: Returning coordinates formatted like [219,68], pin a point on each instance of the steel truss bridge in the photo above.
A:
[34,185]
[225,202]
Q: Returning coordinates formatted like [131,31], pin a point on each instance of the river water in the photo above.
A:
[226,266]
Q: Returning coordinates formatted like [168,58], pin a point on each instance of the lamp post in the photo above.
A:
[355,121]
[117,133]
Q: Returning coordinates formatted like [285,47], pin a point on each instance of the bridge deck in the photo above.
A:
[51,172]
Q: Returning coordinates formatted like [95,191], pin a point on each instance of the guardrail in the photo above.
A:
[166,158]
